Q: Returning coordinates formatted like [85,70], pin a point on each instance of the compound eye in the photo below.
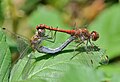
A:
[94,35]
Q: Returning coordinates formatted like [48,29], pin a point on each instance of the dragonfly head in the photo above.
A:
[38,35]
[40,32]
[94,35]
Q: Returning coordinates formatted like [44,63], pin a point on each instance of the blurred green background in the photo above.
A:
[103,16]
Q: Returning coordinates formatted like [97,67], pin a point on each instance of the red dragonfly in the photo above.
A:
[38,37]
[81,34]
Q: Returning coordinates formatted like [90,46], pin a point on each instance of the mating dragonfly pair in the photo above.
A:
[80,36]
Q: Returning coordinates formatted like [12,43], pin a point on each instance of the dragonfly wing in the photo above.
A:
[28,66]
[23,46]
[92,56]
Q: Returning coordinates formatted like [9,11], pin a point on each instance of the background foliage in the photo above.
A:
[22,16]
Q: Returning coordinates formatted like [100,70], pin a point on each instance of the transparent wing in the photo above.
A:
[27,67]
[23,46]
[21,43]
[91,56]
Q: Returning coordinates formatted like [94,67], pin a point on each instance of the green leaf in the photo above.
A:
[82,74]
[112,72]
[51,67]
[5,58]
[108,26]
[111,69]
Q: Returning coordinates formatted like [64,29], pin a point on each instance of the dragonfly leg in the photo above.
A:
[75,49]
[74,54]
[53,36]
[92,44]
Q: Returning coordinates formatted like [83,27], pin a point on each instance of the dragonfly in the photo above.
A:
[36,44]
[37,39]
[81,35]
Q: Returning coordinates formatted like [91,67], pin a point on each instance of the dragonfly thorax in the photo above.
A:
[85,34]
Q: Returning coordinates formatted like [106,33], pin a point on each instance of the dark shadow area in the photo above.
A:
[114,60]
